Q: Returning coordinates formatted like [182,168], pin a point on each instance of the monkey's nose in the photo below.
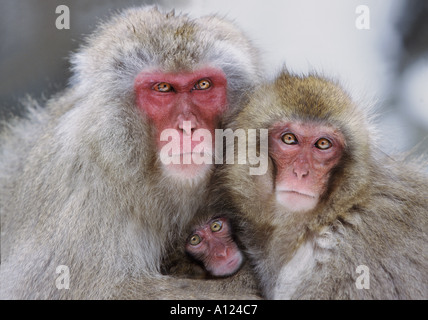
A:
[187,122]
[300,173]
[221,252]
[187,126]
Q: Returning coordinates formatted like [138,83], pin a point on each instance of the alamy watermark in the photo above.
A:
[363,281]
[203,153]
[63,20]
[363,20]
[63,280]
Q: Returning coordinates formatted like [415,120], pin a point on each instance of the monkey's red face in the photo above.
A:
[185,109]
[304,155]
[213,245]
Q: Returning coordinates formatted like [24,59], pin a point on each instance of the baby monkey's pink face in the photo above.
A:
[212,244]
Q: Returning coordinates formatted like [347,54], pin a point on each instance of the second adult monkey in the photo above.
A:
[333,218]
[82,181]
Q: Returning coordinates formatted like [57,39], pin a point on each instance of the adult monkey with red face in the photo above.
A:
[333,218]
[82,181]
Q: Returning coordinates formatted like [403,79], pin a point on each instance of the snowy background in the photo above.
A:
[386,65]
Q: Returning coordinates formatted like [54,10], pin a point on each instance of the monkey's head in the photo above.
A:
[160,81]
[319,146]
[212,244]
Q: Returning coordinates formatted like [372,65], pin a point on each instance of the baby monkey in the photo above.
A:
[209,251]
[211,243]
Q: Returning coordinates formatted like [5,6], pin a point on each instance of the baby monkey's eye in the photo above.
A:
[195,240]
[216,226]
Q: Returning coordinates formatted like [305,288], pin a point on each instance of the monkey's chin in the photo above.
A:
[228,267]
[191,173]
[295,201]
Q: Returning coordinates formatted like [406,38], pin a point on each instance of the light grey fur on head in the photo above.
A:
[80,183]
[147,39]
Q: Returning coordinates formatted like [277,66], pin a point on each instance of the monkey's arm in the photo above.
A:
[238,287]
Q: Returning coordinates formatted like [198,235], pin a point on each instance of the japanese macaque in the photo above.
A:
[103,179]
[333,218]
[211,251]
[210,244]
[213,245]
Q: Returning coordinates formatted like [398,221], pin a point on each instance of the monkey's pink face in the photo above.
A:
[213,245]
[304,155]
[184,103]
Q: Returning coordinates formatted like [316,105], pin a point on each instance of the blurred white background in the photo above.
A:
[386,64]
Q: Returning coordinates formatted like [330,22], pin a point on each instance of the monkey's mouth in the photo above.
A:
[297,193]
[192,154]
[230,267]
[296,201]
[232,263]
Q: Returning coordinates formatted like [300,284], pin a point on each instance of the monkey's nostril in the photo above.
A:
[300,173]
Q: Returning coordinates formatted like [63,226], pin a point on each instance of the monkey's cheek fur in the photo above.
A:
[228,266]
[295,201]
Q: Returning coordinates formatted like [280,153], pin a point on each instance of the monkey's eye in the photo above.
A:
[323,144]
[203,84]
[162,87]
[289,138]
[195,240]
[216,226]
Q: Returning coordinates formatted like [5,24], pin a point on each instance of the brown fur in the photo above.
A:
[374,212]
[181,265]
